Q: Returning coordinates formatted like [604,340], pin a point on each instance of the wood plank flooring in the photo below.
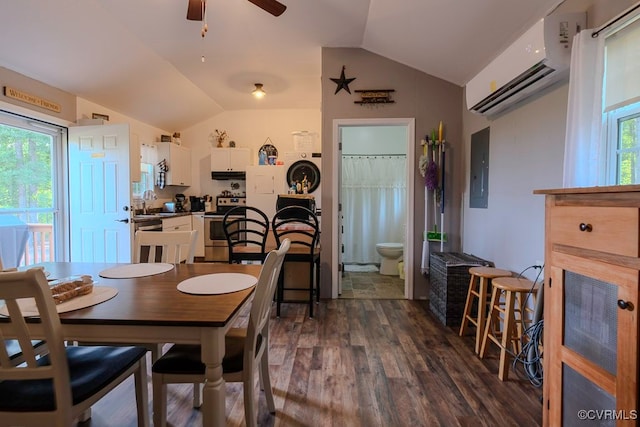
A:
[362,363]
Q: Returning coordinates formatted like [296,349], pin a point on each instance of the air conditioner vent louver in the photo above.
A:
[520,86]
[536,60]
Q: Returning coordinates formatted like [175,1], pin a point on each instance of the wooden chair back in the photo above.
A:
[176,246]
[33,284]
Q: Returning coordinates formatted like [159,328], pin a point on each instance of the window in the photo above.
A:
[31,154]
[624,125]
[621,103]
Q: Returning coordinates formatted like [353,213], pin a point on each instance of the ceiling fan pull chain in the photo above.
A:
[205,27]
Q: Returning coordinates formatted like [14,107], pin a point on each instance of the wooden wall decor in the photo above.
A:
[375,96]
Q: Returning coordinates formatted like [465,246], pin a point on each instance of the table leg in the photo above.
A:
[214,393]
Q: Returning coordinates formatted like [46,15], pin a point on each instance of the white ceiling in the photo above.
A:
[143,58]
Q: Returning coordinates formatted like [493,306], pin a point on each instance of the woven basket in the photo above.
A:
[448,284]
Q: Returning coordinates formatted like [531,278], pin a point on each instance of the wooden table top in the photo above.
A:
[155,300]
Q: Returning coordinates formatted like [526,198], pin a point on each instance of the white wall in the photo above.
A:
[526,152]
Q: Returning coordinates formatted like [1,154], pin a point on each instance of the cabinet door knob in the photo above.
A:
[585,227]
[625,305]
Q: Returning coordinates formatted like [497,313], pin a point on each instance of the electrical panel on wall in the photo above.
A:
[479,177]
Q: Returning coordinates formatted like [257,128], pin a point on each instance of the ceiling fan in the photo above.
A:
[196,8]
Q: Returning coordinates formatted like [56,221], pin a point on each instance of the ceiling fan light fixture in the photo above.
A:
[258,92]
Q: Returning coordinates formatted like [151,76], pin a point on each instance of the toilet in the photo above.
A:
[391,254]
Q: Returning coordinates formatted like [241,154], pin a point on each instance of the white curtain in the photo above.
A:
[585,151]
[373,205]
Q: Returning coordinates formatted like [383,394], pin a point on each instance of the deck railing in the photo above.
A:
[40,246]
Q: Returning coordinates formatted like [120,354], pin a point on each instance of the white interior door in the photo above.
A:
[100,193]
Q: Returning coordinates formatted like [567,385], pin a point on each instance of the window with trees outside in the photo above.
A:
[30,220]
[621,98]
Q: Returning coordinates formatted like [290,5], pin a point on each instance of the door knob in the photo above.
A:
[126,220]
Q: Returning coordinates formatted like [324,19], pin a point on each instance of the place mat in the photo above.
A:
[218,283]
[100,294]
[136,270]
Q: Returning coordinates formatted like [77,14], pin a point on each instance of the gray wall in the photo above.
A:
[526,153]
[417,95]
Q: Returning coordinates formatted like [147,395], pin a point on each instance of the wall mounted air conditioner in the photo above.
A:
[539,58]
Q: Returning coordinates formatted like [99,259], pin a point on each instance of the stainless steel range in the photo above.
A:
[216,247]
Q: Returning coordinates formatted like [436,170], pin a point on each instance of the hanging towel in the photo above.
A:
[162,173]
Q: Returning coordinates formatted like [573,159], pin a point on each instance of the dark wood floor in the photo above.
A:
[363,363]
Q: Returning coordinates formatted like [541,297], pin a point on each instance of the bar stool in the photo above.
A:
[478,288]
[515,318]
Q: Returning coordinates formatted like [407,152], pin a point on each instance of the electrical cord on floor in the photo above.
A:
[530,355]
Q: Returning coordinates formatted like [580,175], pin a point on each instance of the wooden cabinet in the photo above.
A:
[197,222]
[178,161]
[230,159]
[592,270]
[177,223]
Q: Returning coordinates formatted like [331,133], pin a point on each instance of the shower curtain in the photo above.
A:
[373,205]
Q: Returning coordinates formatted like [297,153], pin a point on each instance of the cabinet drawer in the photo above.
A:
[608,229]
[178,223]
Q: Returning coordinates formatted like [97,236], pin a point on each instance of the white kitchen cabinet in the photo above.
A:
[230,159]
[178,162]
[197,223]
[177,223]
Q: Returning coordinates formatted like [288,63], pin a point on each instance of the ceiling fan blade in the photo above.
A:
[272,6]
[194,10]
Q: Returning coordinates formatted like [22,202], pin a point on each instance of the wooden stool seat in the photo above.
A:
[479,288]
[514,318]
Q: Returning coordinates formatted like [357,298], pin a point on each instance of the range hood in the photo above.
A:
[227,175]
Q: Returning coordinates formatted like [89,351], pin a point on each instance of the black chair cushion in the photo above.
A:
[91,369]
[185,359]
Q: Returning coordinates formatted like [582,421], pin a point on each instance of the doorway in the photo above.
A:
[402,153]
[32,226]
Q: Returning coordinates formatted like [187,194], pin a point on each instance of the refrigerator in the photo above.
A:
[264,183]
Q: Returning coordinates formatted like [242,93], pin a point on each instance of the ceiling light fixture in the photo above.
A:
[258,92]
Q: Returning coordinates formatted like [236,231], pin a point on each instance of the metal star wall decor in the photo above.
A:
[342,82]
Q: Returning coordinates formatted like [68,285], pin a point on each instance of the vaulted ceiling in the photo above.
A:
[144,59]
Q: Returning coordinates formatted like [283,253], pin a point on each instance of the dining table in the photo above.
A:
[151,309]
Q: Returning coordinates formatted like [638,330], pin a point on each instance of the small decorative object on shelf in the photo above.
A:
[219,136]
[100,116]
[375,96]
[176,138]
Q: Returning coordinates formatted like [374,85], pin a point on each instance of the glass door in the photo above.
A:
[31,176]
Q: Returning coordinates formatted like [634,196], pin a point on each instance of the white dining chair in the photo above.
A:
[246,349]
[175,246]
[60,387]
